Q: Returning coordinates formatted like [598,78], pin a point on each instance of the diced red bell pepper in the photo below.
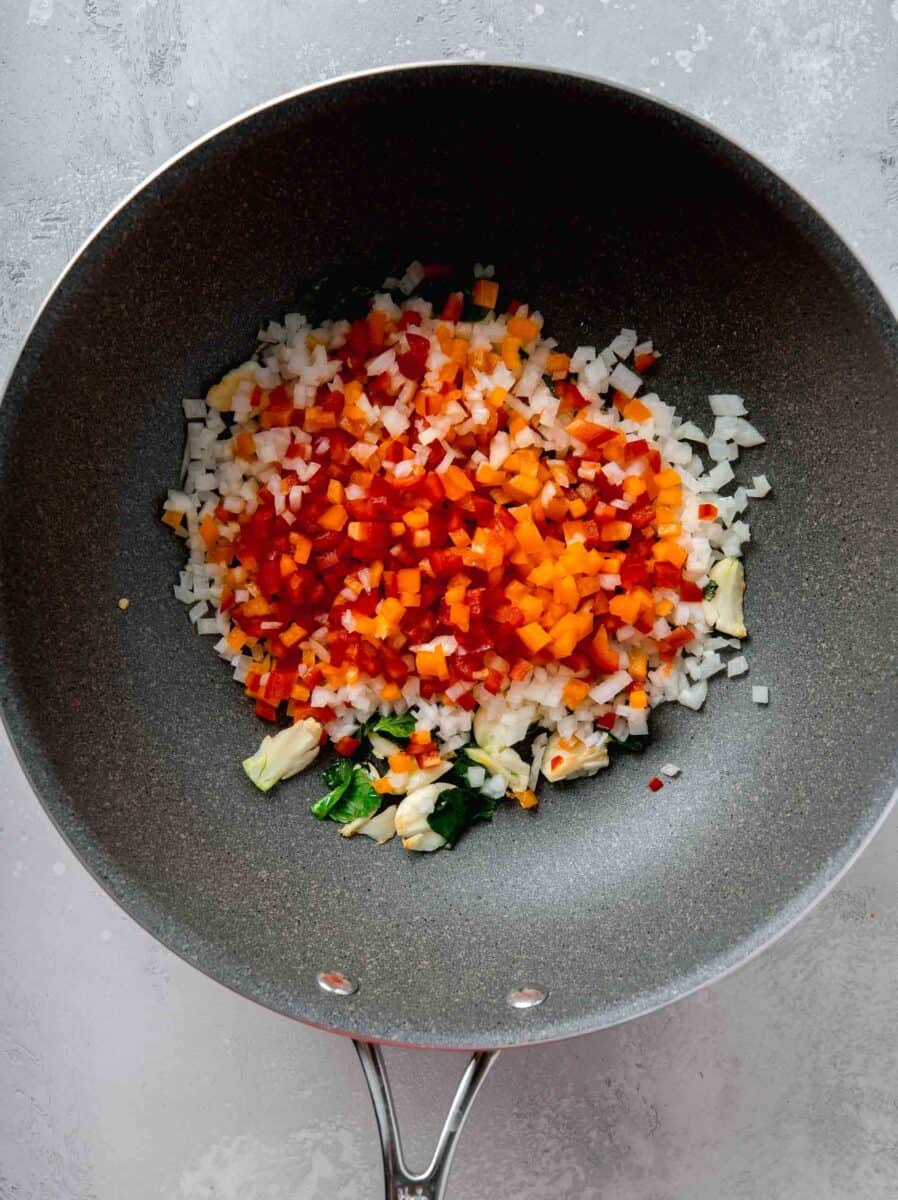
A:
[640,517]
[452,309]
[269,579]
[266,711]
[690,592]
[667,575]
[493,682]
[357,340]
[279,400]
[633,573]
[411,366]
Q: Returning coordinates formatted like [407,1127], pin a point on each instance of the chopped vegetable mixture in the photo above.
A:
[429,537]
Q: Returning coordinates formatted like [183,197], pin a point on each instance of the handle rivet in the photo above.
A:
[337,983]
[526,997]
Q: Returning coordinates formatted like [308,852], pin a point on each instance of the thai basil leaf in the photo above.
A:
[394,726]
[461,765]
[358,800]
[456,809]
[634,745]
[338,777]
[474,312]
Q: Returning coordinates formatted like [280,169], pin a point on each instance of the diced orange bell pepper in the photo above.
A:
[575,692]
[636,411]
[432,663]
[408,579]
[529,538]
[608,660]
[460,616]
[638,664]
[302,548]
[526,799]
[524,329]
[485,293]
[209,530]
[626,606]
[615,531]
[456,483]
[668,551]
[334,518]
[244,445]
[511,353]
[534,637]
[633,486]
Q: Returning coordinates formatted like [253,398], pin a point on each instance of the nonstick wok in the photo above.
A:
[604,209]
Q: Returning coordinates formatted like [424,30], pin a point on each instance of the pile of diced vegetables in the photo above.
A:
[428,536]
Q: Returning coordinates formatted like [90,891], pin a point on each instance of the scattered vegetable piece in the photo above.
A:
[284,754]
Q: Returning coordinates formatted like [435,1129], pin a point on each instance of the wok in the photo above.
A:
[604,208]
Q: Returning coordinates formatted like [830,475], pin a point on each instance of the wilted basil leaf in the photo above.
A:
[634,745]
[358,800]
[456,809]
[461,766]
[338,778]
[396,726]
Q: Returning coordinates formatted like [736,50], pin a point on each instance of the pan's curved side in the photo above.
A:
[130,730]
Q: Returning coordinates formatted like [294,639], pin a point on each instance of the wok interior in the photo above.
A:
[611,897]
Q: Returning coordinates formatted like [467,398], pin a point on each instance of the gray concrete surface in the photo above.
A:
[124,1073]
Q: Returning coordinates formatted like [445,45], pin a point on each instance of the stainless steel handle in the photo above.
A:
[399,1182]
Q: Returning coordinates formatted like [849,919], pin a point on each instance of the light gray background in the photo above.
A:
[126,1075]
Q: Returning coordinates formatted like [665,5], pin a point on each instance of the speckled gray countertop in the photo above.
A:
[125,1073]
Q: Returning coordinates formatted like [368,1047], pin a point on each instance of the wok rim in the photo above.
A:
[705,974]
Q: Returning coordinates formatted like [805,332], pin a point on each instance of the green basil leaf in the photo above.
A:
[456,809]
[396,726]
[338,777]
[632,744]
[710,589]
[358,800]
[474,312]
[461,765]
